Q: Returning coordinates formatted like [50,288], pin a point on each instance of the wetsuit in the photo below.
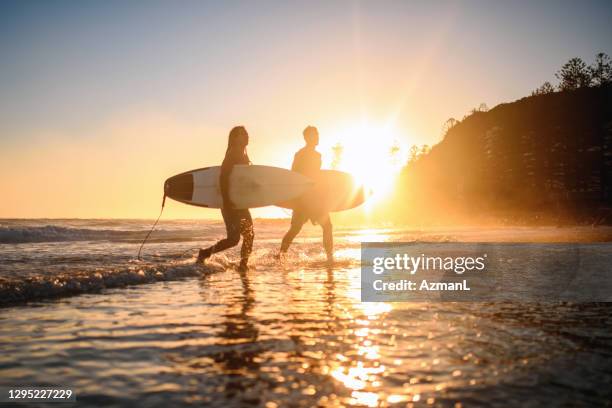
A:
[237,221]
[307,161]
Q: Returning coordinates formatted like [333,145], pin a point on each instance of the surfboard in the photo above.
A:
[250,186]
[333,190]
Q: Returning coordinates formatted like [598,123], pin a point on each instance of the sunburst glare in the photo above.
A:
[373,154]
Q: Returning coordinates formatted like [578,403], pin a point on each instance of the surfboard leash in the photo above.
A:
[153,227]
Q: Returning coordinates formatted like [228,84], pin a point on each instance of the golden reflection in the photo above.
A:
[368,235]
[361,370]
[331,346]
[350,253]
[396,398]
[374,309]
[369,352]
[369,399]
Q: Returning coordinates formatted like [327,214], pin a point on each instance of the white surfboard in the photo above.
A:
[332,191]
[250,186]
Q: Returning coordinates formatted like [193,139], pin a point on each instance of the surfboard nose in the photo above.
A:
[179,187]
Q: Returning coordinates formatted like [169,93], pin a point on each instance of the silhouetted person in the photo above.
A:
[237,221]
[307,161]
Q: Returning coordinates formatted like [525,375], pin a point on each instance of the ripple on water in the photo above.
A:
[296,334]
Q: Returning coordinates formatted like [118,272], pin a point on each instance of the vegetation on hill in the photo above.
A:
[546,158]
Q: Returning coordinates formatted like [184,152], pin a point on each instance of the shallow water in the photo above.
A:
[289,334]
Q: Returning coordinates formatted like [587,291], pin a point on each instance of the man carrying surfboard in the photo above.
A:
[307,161]
[237,221]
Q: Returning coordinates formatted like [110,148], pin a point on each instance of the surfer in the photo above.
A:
[307,161]
[237,221]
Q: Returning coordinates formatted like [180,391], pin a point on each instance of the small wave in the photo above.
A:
[15,290]
[54,233]
[46,287]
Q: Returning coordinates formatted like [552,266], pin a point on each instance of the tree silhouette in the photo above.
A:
[394,152]
[394,149]
[546,88]
[414,153]
[448,125]
[337,151]
[538,159]
[573,74]
[417,152]
[483,107]
[533,160]
[601,70]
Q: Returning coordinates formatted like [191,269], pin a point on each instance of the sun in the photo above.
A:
[373,154]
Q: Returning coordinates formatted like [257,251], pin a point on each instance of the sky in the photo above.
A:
[101,101]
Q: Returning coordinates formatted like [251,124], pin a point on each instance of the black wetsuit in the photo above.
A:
[307,161]
[237,221]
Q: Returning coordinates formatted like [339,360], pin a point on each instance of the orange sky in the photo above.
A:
[100,104]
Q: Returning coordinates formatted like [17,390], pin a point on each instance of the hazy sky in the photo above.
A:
[101,101]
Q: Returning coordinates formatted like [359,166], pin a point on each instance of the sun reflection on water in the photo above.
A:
[361,371]
[292,335]
[368,235]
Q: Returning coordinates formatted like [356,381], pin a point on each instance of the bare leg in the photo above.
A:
[232,226]
[297,221]
[328,238]
[246,230]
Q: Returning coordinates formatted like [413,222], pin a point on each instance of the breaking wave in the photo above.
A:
[54,286]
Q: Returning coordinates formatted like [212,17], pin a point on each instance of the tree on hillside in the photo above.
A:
[546,88]
[337,151]
[448,125]
[414,153]
[417,152]
[573,75]
[394,151]
[601,70]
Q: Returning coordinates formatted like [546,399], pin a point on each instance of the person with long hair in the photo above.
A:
[238,222]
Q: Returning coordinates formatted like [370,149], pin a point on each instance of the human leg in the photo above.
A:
[328,238]
[246,230]
[231,218]
[298,219]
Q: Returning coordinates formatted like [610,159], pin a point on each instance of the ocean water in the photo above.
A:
[79,310]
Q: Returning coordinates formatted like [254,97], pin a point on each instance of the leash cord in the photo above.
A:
[152,228]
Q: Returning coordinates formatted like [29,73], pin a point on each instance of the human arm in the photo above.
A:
[295,166]
[226,169]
